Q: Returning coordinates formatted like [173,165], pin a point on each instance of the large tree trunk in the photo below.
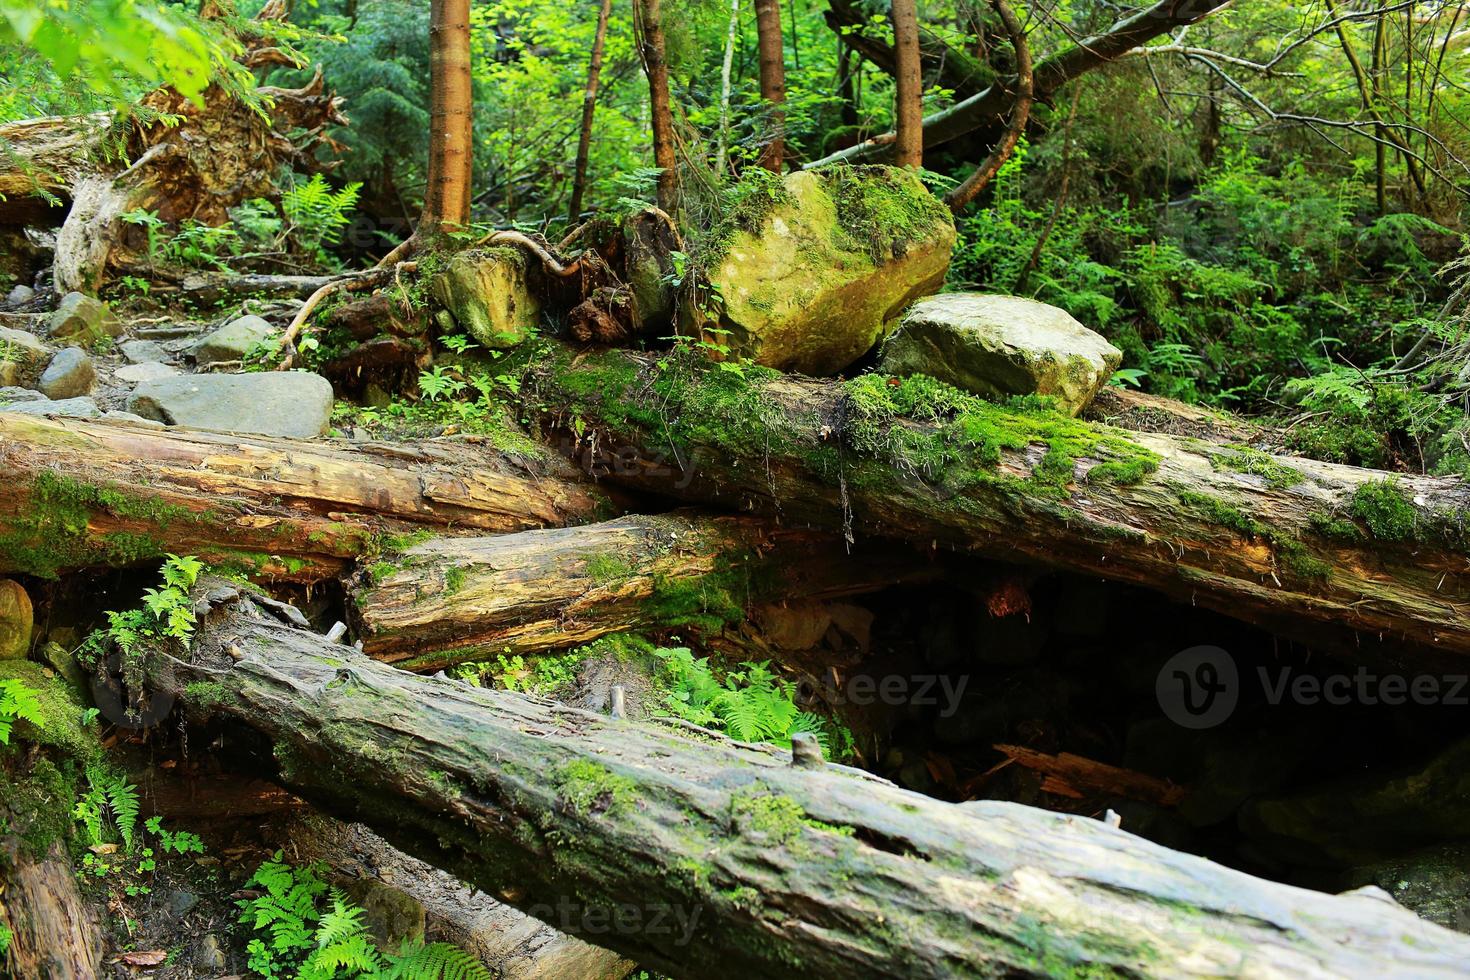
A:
[711,858]
[100,493]
[951,67]
[989,109]
[1276,541]
[908,109]
[451,112]
[451,600]
[772,47]
[654,53]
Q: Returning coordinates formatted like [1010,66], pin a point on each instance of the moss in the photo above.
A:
[61,711]
[1291,553]
[454,579]
[1385,510]
[707,602]
[587,788]
[930,428]
[53,532]
[881,210]
[379,571]
[780,818]
[39,803]
[603,568]
[1245,459]
[206,695]
[747,204]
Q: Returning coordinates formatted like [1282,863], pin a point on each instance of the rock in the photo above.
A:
[485,293]
[232,341]
[83,319]
[181,902]
[209,959]
[69,374]
[77,408]
[795,625]
[392,917]
[132,419]
[20,295]
[11,395]
[818,268]
[22,357]
[147,371]
[999,346]
[59,657]
[1433,883]
[143,351]
[277,403]
[16,620]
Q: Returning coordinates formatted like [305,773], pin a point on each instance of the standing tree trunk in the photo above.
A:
[773,79]
[589,109]
[451,106]
[960,198]
[723,139]
[655,65]
[908,110]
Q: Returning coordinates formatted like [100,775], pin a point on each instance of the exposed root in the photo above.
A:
[350,283]
[552,264]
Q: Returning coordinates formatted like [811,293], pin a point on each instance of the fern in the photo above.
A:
[122,797]
[437,961]
[317,214]
[17,703]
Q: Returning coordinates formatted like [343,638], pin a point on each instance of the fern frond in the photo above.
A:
[122,797]
[437,961]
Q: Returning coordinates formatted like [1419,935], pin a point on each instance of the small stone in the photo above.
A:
[22,357]
[233,341]
[209,959]
[69,374]
[77,408]
[84,319]
[143,351]
[20,295]
[132,419]
[277,403]
[181,902]
[147,371]
[16,620]
[11,395]
[998,346]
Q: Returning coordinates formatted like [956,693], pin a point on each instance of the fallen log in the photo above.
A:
[509,942]
[84,493]
[713,858]
[1331,553]
[451,600]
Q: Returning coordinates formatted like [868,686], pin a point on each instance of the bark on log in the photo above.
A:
[1272,540]
[989,108]
[451,600]
[84,493]
[52,932]
[711,858]
[510,943]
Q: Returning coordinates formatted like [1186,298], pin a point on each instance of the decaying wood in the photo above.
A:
[1074,775]
[450,600]
[53,932]
[1239,534]
[84,493]
[509,942]
[712,858]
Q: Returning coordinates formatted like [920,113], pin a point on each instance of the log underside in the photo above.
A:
[1266,539]
[771,868]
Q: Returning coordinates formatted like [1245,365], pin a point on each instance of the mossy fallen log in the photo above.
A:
[91,493]
[1338,555]
[705,857]
[449,600]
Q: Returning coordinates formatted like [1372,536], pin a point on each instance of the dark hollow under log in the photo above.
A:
[704,857]
[85,493]
[1337,555]
[450,600]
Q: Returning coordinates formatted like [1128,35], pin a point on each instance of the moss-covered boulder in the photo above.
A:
[22,358]
[485,293]
[816,268]
[998,346]
[16,620]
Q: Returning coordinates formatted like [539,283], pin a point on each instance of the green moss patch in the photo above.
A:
[1244,459]
[1385,510]
[1291,554]
[780,818]
[588,789]
[881,210]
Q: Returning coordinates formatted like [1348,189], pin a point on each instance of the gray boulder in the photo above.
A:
[278,403]
[20,295]
[998,346]
[143,351]
[69,374]
[76,408]
[232,341]
[9,395]
[132,419]
[147,371]
[83,319]
[22,357]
